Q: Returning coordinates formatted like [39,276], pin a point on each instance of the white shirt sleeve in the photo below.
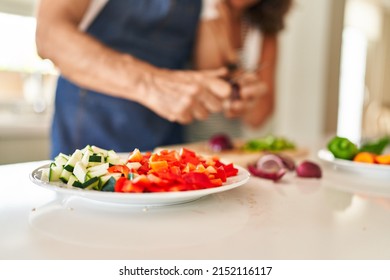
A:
[93,10]
[251,49]
[209,9]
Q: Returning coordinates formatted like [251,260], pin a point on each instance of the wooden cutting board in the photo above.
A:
[236,156]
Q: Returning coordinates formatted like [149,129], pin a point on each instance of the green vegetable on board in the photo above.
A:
[268,143]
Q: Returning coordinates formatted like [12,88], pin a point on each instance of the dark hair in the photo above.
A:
[268,15]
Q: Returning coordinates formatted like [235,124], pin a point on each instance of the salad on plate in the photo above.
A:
[94,168]
[369,159]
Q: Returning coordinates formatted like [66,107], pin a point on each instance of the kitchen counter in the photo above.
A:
[332,218]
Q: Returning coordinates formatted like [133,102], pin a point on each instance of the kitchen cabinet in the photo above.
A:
[24,137]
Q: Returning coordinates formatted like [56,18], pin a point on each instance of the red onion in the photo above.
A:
[287,161]
[269,166]
[308,169]
[220,142]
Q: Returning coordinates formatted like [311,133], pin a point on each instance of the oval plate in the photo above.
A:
[139,199]
[378,171]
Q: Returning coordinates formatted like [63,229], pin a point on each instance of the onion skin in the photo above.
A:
[308,169]
[270,163]
[269,166]
[274,176]
[274,166]
[287,161]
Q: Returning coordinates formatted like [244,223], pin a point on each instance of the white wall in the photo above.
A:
[21,7]
[303,72]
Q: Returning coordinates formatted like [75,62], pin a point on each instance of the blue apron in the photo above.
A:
[160,32]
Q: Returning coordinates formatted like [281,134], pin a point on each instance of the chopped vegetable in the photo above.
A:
[376,147]
[269,143]
[275,166]
[288,162]
[275,176]
[270,163]
[383,159]
[268,167]
[370,152]
[365,157]
[121,169]
[87,168]
[220,142]
[308,169]
[342,148]
[164,171]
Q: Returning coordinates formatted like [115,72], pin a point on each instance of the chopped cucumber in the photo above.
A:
[80,171]
[45,174]
[61,159]
[74,182]
[55,172]
[113,158]
[85,158]
[86,148]
[74,158]
[98,170]
[98,150]
[109,186]
[104,179]
[96,158]
[92,183]
[65,175]
[86,168]
[69,168]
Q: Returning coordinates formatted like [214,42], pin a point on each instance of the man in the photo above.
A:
[123,83]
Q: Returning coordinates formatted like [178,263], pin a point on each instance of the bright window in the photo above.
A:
[17,47]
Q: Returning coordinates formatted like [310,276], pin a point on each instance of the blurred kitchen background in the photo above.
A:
[333,76]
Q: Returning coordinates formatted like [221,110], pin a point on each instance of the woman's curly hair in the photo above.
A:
[268,15]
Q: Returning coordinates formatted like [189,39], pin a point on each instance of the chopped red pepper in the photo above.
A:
[135,156]
[123,169]
[221,174]
[168,171]
[157,166]
[230,170]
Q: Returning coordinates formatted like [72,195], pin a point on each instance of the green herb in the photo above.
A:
[268,143]
[376,147]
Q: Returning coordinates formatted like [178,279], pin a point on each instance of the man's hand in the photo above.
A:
[180,96]
[184,96]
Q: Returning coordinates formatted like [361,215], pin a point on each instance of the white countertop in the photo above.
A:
[292,219]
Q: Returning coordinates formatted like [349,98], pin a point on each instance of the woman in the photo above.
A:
[242,34]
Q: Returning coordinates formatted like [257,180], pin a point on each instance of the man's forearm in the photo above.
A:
[89,63]
[180,96]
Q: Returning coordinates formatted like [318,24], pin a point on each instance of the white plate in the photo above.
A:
[140,199]
[378,171]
